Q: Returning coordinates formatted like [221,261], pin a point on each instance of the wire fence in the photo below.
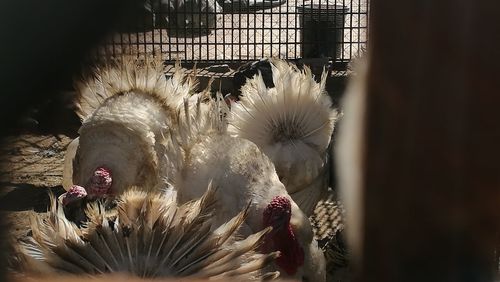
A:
[234,31]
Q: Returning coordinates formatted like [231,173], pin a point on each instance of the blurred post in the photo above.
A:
[432,173]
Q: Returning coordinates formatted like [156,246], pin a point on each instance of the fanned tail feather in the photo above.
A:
[129,73]
[129,111]
[291,123]
[148,236]
[297,108]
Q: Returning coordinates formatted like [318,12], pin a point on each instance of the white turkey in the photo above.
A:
[196,150]
[292,123]
[243,174]
[126,108]
[146,235]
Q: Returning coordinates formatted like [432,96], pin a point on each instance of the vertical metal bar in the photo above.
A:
[188,30]
[199,16]
[360,24]
[263,30]
[248,34]
[170,29]
[176,26]
[145,28]
[215,44]
[160,14]
[224,38]
[134,25]
[153,30]
[312,16]
[129,34]
[287,30]
[239,36]
[298,26]
[255,35]
[345,29]
[208,15]
[350,31]
[232,27]
[271,31]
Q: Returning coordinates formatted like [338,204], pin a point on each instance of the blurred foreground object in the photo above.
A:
[427,167]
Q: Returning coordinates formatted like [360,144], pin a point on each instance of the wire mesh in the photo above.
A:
[235,31]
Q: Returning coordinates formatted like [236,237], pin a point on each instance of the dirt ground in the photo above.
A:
[31,161]
[31,167]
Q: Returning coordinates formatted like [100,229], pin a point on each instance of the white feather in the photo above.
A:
[292,124]
[128,108]
[244,177]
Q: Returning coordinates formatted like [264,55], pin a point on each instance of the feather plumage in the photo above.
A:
[128,108]
[242,173]
[147,235]
[197,150]
[292,124]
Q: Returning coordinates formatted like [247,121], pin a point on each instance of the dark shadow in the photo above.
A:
[21,197]
[55,118]
[52,116]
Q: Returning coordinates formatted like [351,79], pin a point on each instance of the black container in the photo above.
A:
[322,30]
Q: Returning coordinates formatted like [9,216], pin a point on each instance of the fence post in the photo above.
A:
[432,170]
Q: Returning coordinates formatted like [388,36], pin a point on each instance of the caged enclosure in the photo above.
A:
[238,31]
[425,154]
[210,33]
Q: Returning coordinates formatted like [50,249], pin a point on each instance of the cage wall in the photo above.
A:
[232,31]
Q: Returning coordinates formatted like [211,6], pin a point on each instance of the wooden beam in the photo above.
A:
[432,170]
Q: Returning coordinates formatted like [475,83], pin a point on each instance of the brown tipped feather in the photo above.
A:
[243,175]
[149,236]
[129,73]
[128,108]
